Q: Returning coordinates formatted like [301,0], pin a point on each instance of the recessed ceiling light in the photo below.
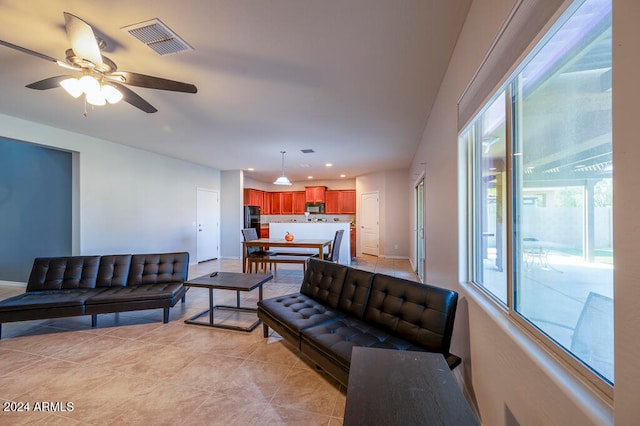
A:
[328,165]
[251,169]
[343,176]
[309,177]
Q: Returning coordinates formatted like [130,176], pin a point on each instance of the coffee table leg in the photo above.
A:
[211,306]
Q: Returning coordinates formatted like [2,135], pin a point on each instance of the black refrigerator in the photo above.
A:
[252,218]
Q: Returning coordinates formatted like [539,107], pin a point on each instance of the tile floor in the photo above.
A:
[133,369]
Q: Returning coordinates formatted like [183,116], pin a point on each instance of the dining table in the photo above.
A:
[268,243]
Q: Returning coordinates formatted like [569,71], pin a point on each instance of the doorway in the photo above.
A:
[370,223]
[420,237]
[208,225]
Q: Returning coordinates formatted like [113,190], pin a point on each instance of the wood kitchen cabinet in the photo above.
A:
[281,202]
[352,238]
[294,202]
[286,202]
[264,232]
[253,197]
[266,203]
[299,201]
[276,202]
[315,194]
[349,201]
[341,202]
[333,203]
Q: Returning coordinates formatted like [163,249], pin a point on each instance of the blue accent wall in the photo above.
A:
[35,206]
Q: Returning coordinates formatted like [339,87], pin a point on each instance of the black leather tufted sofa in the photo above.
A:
[91,285]
[339,307]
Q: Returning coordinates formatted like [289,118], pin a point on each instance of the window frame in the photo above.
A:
[467,138]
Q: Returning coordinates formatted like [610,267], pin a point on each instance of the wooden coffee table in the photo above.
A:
[228,281]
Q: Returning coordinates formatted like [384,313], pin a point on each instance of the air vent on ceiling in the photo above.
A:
[158,36]
[307,151]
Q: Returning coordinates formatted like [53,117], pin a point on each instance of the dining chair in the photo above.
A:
[334,253]
[254,254]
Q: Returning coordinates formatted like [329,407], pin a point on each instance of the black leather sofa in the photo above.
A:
[91,285]
[339,307]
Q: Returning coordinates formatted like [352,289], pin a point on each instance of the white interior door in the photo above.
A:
[370,223]
[208,225]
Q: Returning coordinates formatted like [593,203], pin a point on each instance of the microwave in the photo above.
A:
[314,208]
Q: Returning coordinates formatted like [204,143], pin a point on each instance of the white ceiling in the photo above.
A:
[354,80]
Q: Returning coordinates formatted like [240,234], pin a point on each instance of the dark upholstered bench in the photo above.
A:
[91,285]
[339,307]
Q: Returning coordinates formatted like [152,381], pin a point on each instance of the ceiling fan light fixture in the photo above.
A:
[72,86]
[282,180]
[96,99]
[111,94]
[90,85]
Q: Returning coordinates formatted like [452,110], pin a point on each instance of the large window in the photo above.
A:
[540,191]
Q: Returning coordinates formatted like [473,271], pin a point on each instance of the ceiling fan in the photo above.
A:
[96,76]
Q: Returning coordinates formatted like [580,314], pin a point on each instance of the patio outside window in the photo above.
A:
[540,157]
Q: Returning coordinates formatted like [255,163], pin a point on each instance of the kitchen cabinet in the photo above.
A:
[349,201]
[315,194]
[276,203]
[294,202]
[281,202]
[253,197]
[286,202]
[333,202]
[266,200]
[340,202]
[264,232]
[299,201]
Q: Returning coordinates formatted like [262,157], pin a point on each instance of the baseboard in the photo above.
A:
[13,284]
[468,395]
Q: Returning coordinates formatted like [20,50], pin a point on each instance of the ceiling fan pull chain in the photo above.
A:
[85,113]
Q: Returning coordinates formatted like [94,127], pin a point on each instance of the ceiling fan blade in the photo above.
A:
[27,51]
[82,39]
[134,99]
[48,83]
[151,82]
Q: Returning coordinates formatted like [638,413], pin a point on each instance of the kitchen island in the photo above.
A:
[314,230]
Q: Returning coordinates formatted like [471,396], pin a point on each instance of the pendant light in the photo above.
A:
[282,180]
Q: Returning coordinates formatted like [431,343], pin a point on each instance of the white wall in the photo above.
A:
[626,232]
[395,208]
[129,201]
[231,214]
[397,214]
[506,370]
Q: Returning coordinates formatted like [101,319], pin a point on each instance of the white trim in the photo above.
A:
[527,22]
